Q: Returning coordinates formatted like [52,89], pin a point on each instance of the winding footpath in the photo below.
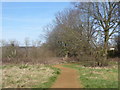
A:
[67,79]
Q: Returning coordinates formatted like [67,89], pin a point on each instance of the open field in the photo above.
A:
[28,76]
[98,77]
[44,76]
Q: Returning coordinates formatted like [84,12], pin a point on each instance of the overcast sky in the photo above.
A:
[25,19]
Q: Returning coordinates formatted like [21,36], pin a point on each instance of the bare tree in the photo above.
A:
[71,35]
[27,43]
[106,19]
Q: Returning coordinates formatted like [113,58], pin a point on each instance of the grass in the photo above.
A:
[51,80]
[28,76]
[98,77]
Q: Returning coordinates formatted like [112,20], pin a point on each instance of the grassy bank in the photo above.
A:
[28,76]
[98,77]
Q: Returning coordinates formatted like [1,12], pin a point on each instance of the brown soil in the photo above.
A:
[67,79]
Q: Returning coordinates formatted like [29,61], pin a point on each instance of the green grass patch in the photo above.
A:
[97,77]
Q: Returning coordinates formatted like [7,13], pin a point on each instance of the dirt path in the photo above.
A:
[67,79]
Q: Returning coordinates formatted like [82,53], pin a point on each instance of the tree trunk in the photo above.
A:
[26,52]
[105,53]
[66,56]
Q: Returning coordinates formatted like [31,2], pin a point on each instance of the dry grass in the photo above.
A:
[25,76]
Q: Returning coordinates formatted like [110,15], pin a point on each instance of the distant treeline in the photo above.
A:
[13,53]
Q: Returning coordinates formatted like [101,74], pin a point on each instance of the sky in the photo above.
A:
[22,20]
